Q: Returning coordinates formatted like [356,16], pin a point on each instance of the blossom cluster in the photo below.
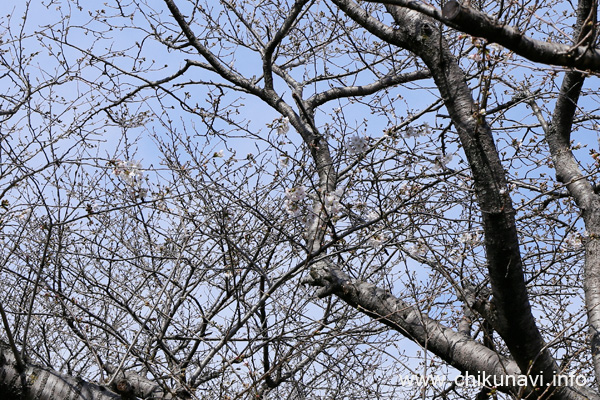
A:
[376,240]
[357,144]
[422,130]
[284,161]
[293,199]
[372,215]
[296,195]
[284,126]
[573,241]
[332,202]
[131,173]
[441,160]
[419,249]
[470,239]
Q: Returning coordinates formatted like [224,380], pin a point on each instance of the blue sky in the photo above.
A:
[112,140]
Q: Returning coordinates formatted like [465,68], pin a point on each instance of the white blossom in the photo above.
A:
[517,143]
[441,161]
[372,215]
[495,47]
[376,240]
[297,193]
[142,192]
[284,126]
[573,241]
[24,216]
[284,162]
[457,256]
[469,238]
[93,207]
[332,202]
[357,144]
[404,187]
[411,132]
[293,209]
[219,154]
[446,159]
[129,171]
[417,250]
[425,129]
[293,197]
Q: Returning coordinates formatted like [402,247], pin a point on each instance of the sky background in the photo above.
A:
[72,99]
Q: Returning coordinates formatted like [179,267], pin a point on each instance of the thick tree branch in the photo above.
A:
[515,323]
[11,341]
[44,384]
[132,384]
[455,348]
[273,43]
[558,136]
[476,23]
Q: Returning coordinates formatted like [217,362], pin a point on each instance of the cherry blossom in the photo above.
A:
[357,144]
[284,126]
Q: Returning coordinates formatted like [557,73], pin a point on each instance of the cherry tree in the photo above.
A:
[308,199]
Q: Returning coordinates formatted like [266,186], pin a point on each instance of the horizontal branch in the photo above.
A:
[392,79]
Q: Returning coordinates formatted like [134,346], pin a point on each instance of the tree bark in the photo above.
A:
[457,349]
[514,320]
[558,136]
[40,383]
[476,23]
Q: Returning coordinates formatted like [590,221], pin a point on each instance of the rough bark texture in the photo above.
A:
[476,23]
[514,320]
[43,383]
[568,172]
[455,348]
[558,136]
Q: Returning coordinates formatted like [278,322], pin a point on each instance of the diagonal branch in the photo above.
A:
[44,383]
[288,24]
[391,79]
[214,62]
[457,349]
[477,23]
[515,322]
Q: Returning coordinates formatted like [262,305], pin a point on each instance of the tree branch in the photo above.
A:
[558,136]
[476,23]
[455,348]
[273,43]
[391,79]
[44,383]
[515,323]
